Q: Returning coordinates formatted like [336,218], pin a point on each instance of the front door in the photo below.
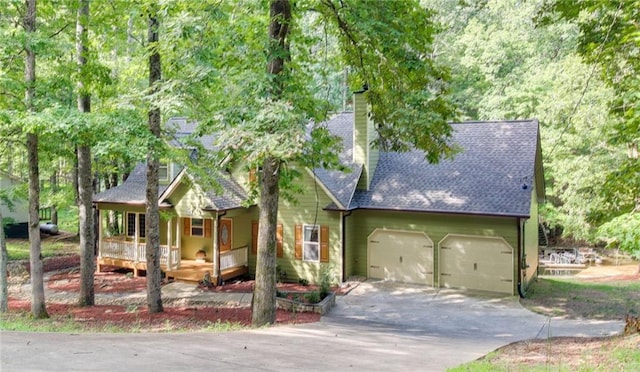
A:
[225,233]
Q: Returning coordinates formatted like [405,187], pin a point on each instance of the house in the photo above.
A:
[467,222]
[16,218]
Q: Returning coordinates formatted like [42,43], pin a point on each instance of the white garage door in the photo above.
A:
[476,262]
[401,256]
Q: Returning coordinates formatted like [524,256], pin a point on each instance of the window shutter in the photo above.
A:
[207,228]
[186,224]
[254,237]
[279,250]
[324,244]
[298,242]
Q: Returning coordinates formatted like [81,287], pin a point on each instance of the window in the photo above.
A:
[311,243]
[131,224]
[163,172]
[197,227]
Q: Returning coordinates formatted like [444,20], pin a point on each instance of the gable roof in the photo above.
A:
[485,178]
[341,184]
[132,191]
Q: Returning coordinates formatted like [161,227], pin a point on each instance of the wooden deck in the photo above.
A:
[193,271]
[190,270]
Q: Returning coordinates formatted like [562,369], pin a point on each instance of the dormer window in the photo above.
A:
[163,172]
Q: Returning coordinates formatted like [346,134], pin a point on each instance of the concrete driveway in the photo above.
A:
[378,326]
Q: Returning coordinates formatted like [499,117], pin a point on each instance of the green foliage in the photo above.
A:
[388,47]
[609,40]
[507,64]
[313,297]
[327,278]
[622,232]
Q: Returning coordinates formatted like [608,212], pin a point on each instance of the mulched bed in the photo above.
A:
[65,277]
[110,280]
[171,319]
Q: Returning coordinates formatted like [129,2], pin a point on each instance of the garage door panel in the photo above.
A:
[401,256]
[476,262]
[479,282]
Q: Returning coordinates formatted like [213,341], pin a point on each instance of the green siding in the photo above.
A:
[307,210]
[188,200]
[364,134]
[363,222]
[531,241]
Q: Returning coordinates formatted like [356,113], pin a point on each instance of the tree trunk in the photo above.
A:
[85,189]
[152,220]
[112,223]
[4,288]
[263,309]
[264,294]
[38,308]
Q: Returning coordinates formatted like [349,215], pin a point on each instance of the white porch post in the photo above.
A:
[99,232]
[169,261]
[216,251]
[135,238]
[178,240]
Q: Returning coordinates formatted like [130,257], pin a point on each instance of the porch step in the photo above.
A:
[195,274]
[234,272]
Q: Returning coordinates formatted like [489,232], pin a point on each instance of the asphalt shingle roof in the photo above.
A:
[486,177]
[232,195]
[342,184]
[131,191]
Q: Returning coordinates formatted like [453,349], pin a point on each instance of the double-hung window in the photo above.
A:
[163,172]
[311,243]
[197,227]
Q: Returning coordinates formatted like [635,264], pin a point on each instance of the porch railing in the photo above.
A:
[126,250]
[234,258]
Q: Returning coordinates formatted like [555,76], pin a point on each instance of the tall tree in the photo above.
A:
[263,306]
[386,45]
[609,40]
[152,220]
[85,189]
[38,306]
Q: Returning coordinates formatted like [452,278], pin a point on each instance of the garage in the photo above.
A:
[476,262]
[401,256]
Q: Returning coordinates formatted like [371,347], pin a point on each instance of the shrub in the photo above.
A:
[313,297]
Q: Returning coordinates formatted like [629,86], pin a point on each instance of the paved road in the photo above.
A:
[378,326]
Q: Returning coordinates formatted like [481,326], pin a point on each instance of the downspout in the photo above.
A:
[520,227]
[344,216]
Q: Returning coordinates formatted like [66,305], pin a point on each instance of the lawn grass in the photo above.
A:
[575,298]
[18,249]
[24,322]
[608,354]
[68,219]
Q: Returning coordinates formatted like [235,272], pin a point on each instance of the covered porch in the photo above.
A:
[119,251]
[181,239]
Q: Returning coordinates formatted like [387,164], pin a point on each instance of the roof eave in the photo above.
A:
[485,214]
